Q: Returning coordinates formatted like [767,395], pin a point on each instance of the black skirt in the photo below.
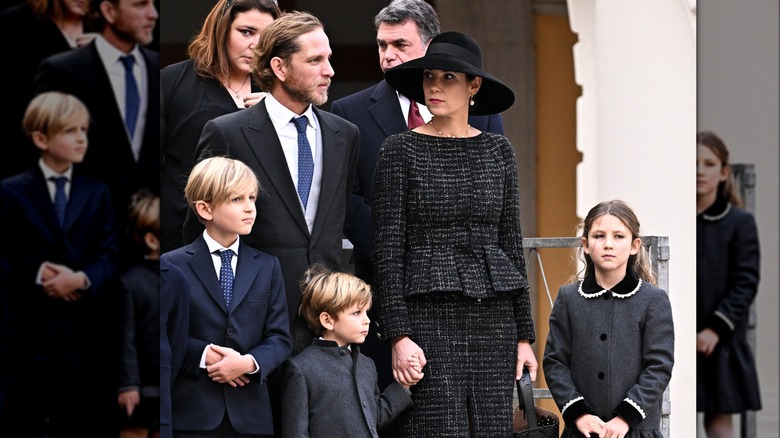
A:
[727,382]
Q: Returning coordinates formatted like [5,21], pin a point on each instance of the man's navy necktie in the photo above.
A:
[132,97]
[226,276]
[305,161]
[60,200]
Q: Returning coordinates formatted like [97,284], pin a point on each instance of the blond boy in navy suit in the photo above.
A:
[238,332]
[61,263]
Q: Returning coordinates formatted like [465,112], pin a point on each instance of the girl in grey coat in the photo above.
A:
[610,350]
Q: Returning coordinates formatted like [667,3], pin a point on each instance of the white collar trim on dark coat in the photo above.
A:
[718,210]
[628,286]
[718,216]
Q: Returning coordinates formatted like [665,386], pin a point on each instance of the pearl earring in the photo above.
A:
[471,100]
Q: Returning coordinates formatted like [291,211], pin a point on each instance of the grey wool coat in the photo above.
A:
[610,352]
[330,391]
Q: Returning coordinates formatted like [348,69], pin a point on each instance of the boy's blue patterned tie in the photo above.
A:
[60,200]
[226,276]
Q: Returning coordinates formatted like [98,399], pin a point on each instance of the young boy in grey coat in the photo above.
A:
[330,388]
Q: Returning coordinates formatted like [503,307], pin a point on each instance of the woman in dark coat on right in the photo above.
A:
[727,275]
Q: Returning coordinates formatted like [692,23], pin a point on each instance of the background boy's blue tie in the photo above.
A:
[60,200]
[132,97]
[305,161]
[226,276]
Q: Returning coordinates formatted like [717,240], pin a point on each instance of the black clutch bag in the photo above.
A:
[531,421]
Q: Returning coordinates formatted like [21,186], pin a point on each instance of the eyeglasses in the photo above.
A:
[227,6]
[229,3]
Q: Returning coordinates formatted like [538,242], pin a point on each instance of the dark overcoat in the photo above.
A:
[610,352]
[727,275]
[331,391]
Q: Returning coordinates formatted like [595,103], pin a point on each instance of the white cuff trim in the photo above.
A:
[725,319]
[636,406]
[571,402]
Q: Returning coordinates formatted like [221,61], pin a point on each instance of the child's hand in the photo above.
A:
[706,341]
[231,367]
[414,362]
[614,428]
[212,356]
[403,371]
[128,400]
[64,284]
[48,271]
[588,424]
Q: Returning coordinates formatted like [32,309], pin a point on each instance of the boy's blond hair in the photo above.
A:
[330,292]
[51,111]
[213,180]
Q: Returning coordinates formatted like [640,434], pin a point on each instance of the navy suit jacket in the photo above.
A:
[109,158]
[280,227]
[31,236]
[174,324]
[256,324]
[378,115]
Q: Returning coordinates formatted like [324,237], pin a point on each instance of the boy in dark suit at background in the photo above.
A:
[63,254]
[118,79]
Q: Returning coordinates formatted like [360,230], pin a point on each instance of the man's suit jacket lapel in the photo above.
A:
[203,267]
[334,150]
[386,110]
[98,85]
[150,148]
[264,143]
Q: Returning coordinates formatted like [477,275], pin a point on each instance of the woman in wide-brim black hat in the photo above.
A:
[447,249]
[455,52]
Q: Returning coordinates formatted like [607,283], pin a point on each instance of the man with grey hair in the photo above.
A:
[403,30]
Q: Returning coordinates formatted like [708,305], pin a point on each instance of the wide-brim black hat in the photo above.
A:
[452,51]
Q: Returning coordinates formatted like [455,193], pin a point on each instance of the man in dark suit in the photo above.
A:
[404,29]
[95,73]
[298,226]
[293,67]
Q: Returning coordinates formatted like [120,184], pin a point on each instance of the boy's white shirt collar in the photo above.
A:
[48,172]
[213,245]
